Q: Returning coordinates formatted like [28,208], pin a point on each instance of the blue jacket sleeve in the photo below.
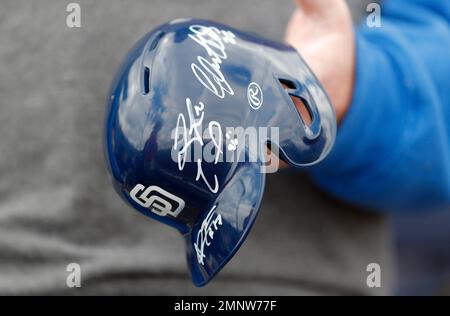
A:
[392,150]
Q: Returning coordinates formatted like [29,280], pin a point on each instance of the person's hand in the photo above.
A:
[322,32]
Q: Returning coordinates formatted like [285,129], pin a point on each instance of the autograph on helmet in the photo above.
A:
[193,135]
[206,233]
[208,71]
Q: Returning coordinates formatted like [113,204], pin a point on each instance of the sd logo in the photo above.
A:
[157,200]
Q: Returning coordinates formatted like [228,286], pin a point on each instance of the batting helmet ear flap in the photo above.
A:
[221,230]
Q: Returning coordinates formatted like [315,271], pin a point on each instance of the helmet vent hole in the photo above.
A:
[303,109]
[146,80]
[288,84]
[299,102]
[156,41]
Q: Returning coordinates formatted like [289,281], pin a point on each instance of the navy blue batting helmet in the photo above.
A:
[190,117]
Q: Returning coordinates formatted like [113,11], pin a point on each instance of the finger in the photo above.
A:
[316,6]
[293,25]
[320,7]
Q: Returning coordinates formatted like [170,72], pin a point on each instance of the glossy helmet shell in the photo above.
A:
[191,73]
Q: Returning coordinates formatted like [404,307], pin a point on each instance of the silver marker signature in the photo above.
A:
[206,233]
[208,71]
[192,135]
